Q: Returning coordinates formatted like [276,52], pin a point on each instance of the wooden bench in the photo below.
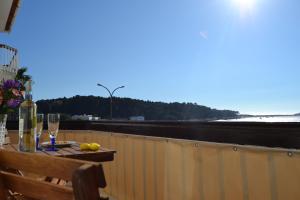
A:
[83,175]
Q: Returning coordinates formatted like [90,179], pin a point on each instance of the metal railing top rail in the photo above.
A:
[9,48]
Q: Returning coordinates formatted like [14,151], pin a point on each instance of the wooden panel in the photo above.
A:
[150,175]
[233,180]
[10,147]
[43,165]
[287,170]
[257,174]
[13,136]
[206,170]
[139,165]
[129,169]
[197,172]
[174,171]
[36,189]
[3,189]
[114,168]
[211,173]
[121,167]
[105,141]
[84,182]
[160,169]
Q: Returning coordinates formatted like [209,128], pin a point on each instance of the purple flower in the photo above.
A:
[8,84]
[13,103]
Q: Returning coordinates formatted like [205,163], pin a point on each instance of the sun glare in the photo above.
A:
[244,6]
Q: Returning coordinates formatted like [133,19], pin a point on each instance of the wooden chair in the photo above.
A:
[84,176]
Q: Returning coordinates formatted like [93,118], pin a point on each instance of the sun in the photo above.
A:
[245,6]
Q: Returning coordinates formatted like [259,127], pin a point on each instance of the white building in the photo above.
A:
[85,117]
[137,118]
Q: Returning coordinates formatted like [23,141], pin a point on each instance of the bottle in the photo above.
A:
[27,121]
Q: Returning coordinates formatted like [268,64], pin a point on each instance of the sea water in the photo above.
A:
[266,119]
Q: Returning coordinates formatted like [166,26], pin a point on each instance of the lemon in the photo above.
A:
[94,146]
[85,146]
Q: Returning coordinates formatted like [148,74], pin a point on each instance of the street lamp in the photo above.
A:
[111,95]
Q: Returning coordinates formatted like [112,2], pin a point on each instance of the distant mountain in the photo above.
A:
[297,114]
[123,108]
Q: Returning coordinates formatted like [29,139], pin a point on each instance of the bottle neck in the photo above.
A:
[28,95]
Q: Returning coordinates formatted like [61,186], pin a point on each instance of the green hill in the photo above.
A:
[123,108]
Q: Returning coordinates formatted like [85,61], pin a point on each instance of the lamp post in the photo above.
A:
[111,96]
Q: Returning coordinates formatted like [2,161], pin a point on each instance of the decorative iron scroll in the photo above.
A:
[9,62]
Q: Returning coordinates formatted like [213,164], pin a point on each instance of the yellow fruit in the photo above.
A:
[85,146]
[94,146]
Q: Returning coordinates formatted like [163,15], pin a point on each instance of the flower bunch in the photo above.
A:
[11,95]
[12,92]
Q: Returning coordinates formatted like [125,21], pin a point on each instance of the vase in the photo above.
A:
[3,118]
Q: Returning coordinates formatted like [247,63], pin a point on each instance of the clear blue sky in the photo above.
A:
[224,54]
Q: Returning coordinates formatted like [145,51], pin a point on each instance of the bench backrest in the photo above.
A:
[85,176]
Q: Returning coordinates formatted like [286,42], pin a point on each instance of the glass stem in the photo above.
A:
[37,142]
[53,143]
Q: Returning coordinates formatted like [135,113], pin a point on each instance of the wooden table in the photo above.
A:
[102,155]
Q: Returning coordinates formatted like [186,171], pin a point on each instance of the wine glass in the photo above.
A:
[3,119]
[39,129]
[53,126]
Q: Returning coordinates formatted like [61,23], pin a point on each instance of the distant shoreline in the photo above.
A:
[265,118]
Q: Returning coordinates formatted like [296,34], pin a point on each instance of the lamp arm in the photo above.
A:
[116,90]
[106,89]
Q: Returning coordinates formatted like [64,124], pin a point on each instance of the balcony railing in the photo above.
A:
[285,135]
[148,167]
[9,62]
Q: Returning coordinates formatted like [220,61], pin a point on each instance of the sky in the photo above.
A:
[242,55]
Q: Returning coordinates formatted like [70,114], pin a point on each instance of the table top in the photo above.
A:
[102,155]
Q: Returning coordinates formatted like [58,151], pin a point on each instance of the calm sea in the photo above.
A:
[267,119]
